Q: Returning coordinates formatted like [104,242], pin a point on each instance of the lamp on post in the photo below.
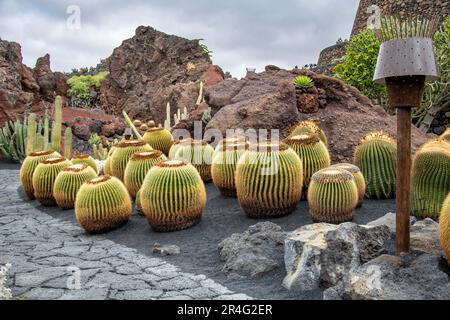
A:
[405,61]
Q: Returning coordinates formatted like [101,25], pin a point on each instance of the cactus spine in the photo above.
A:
[376,156]
[444,227]
[68,142]
[138,167]
[102,204]
[359,179]
[308,126]
[199,154]
[57,125]
[172,196]
[269,180]
[69,181]
[313,153]
[44,178]
[430,179]
[332,196]
[223,167]
[29,165]
[122,154]
[31,134]
[159,139]
[85,159]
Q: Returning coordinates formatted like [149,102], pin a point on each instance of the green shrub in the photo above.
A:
[80,86]
[303,81]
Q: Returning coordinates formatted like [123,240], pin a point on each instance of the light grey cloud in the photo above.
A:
[241,33]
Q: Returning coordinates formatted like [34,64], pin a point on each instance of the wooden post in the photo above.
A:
[403,179]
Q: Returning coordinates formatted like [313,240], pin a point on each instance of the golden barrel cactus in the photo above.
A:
[138,167]
[376,156]
[159,138]
[172,196]
[85,159]
[176,145]
[223,167]
[269,179]
[69,181]
[29,165]
[310,127]
[137,203]
[122,154]
[359,179]
[102,204]
[444,227]
[430,181]
[446,135]
[44,179]
[332,196]
[199,154]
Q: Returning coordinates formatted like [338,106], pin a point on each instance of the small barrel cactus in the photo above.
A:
[159,139]
[69,181]
[311,127]
[172,196]
[376,156]
[85,159]
[44,178]
[313,153]
[122,154]
[102,204]
[29,165]
[444,227]
[199,154]
[138,167]
[176,145]
[151,124]
[430,181]
[332,196]
[359,179]
[269,179]
[223,167]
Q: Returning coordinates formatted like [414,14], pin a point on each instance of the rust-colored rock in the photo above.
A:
[308,103]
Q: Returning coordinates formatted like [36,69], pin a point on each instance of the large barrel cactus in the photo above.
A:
[176,145]
[430,182]
[446,135]
[44,178]
[223,168]
[444,227]
[172,196]
[122,154]
[199,154]
[313,153]
[231,140]
[359,179]
[138,167]
[332,196]
[69,181]
[85,159]
[376,156]
[159,139]
[269,179]
[310,127]
[102,204]
[29,165]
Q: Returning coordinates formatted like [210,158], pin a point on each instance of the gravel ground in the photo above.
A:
[199,255]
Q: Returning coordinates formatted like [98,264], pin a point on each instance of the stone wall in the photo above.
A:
[330,57]
[409,8]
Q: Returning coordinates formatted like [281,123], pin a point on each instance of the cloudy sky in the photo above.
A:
[241,33]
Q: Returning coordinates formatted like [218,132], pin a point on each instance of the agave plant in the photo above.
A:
[303,81]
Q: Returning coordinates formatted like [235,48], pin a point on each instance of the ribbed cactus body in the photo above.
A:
[85,159]
[102,204]
[137,203]
[332,196]
[159,139]
[107,164]
[223,167]
[310,127]
[44,178]
[444,227]
[199,154]
[430,181]
[122,154]
[69,181]
[269,179]
[313,153]
[229,141]
[172,196]
[376,156]
[446,135]
[29,165]
[359,179]
[138,167]
[176,145]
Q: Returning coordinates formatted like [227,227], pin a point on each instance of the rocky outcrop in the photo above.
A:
[269,100]
[152,69]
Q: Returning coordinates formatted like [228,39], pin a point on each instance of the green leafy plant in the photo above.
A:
[206,116]
[303,82]
[205,48]
[80,86]
[13,141]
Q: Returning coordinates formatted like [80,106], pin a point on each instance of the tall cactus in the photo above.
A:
[68,143]
[57,125]
[46,130]
[31,134]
